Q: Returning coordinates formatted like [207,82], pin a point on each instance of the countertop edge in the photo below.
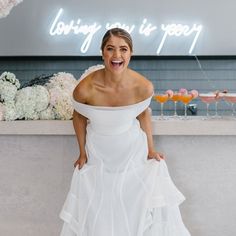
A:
[169,126]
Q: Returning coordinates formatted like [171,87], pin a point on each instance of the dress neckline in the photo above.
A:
[113,107]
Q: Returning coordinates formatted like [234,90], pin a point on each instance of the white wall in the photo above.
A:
[36,170]
[26,30]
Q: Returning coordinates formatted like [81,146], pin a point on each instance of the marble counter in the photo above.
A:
[37,164]
[169,126]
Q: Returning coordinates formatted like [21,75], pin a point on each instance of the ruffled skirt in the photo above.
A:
[140,200]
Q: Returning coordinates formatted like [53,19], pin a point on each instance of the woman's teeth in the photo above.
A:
[117,63]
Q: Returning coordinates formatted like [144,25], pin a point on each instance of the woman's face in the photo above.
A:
[116,54]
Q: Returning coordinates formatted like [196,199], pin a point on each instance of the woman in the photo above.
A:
[120,186]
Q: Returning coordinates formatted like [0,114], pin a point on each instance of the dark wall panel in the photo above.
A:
[204,74]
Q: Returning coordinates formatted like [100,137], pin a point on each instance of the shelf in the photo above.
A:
[170,126]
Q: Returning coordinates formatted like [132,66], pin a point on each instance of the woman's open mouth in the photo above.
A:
[117,63]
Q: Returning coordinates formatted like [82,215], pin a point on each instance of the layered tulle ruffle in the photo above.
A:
[141,202]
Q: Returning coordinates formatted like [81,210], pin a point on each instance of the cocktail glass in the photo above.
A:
[175,98]
[185,98]
[218,97]
[207,98]
[161,98]
[231,98]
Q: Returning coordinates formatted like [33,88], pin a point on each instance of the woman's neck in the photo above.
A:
[115,80]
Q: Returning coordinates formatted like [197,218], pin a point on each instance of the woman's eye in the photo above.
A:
[109,49]
[124,49]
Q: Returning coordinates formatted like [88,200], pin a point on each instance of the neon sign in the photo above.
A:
[75,27]
[180,30]
[146,29]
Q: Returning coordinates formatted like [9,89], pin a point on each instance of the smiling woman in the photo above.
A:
[117,48]
[120,184]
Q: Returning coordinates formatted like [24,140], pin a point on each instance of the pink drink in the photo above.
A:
[230,97]
[207,98]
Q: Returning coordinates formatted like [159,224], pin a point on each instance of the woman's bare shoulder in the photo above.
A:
[81,91]
[144,86]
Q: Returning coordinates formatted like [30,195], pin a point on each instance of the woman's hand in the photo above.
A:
[152,154]
[81,161]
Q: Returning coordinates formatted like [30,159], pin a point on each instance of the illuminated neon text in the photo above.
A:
[75,27]
[146,29]
[59,27]
[179,30]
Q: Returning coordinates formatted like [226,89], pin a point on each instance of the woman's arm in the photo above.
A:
[146,89]
[80,124]
[145,123]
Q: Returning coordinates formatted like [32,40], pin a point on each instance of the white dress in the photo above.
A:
[119,192]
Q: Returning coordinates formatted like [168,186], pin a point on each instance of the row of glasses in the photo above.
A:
[185,97]
[209,98]
[182,95]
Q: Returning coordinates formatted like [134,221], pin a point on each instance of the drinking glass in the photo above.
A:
[218,96]
[161,98]
[231,98]
[175,98]
[207,98]
[185,98]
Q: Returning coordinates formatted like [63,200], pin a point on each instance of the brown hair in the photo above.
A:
[118,32]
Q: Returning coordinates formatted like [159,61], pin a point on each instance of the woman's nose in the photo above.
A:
[116,53]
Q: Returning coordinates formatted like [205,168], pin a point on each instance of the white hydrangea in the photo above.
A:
[61,102]
[8,86]
[41,97]
[64,80]
[10,112]
[2,111]
[47,114]
[7,91]
[61,87]
[30,101]
[10,77]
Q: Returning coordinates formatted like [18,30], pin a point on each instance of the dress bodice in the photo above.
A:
[118,118]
